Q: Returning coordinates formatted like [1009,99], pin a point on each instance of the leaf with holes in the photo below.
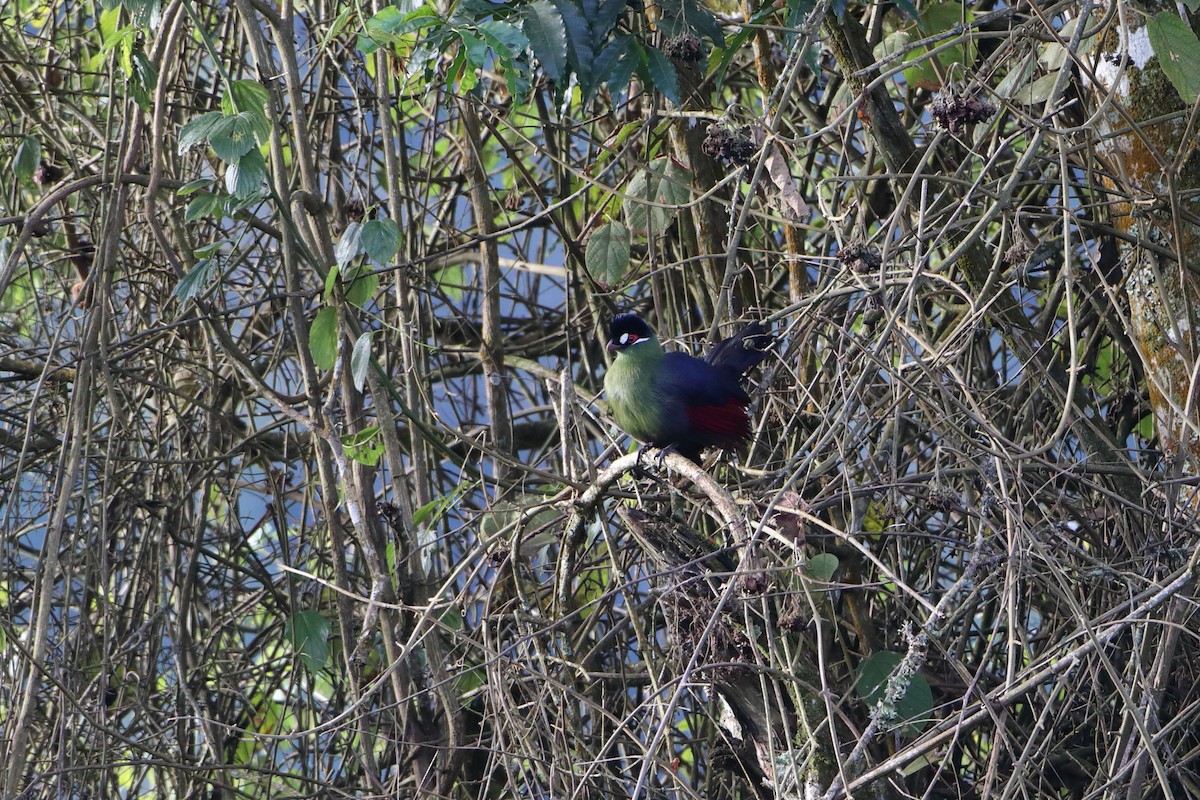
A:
[1178,52]
[607,255]
[364,447]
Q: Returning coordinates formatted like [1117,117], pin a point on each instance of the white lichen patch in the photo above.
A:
[1139,48]
[1136,51]
[1107,74]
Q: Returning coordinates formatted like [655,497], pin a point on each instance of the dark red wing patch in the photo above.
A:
[728,421]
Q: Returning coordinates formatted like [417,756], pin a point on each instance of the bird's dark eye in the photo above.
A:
[627,338]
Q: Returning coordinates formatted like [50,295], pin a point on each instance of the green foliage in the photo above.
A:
[679,17]
[27,158]
[233,134]
[607,255]
[1178,52]
[928,71]
[913,707]
[205,204]
[360,361]
[544,26]
[350,245]
[654,194]
[360,286]
[657,70]
[365,446]
[244,179]
[323,338]
[822,567]
[308,634]
[208,264]
[380,240]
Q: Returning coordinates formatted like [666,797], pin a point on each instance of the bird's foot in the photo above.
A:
[659,457]
[638,470]
[662,455]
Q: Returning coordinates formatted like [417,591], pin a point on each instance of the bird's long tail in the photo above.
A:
[743,350]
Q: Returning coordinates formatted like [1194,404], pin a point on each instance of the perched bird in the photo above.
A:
[673,400]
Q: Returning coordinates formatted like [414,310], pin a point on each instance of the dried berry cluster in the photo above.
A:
[734,146]
[957,112]
[685,48]
[859,257]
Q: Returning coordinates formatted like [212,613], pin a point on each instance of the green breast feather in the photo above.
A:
[629,387]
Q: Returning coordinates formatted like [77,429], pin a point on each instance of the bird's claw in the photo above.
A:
[662,455]
[659,457]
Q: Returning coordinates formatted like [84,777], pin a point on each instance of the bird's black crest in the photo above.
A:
[628,323]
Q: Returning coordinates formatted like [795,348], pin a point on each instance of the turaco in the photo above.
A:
[673,400]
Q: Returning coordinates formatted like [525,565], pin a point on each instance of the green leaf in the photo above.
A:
[391,25]
[323,338]
[675,188]
[246,100]
[653,194]
[362,288]
[939,17]
[1178,53]
[822,567]
[913,707]
[602,16]
[191,187]
[308,633]
[638,195]
[476,49]
[451,280]
[198,130]
[360,360]
[196,280]
[688,16]
[380,239]
[581,46]
[244,95]
[331,282]
[143,76]
[543,25]
[610,61]
[348,246]
[205,204]
[661,73]
[29,155]
[505,39]
[231,139]
[365,446]
[607,255]
[245,178]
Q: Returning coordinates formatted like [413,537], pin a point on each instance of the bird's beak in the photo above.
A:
[611,347]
